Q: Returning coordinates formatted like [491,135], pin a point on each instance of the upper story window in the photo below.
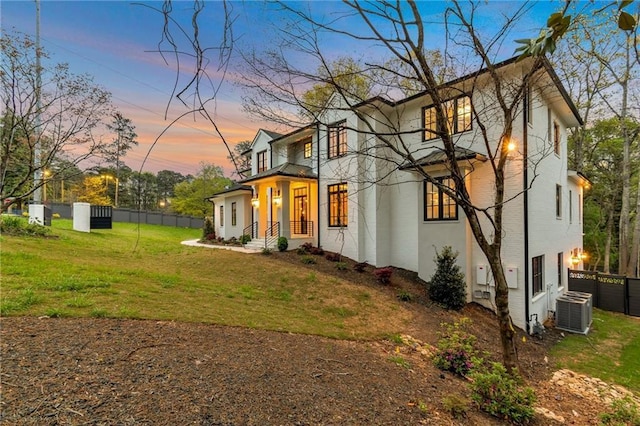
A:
[338,205]
[438,205]
[558,201]
[308,145]
[337,139]
[556,138]
[458,113]
[262,161]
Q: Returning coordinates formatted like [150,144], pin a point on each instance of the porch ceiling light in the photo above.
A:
[255,202]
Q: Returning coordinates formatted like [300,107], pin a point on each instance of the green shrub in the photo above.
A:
[15,225]
[244,239]
[447,286]
[456,350]
[208,229]
[625,412]
[501,395]
[405,296]
[456,405]
[283,244]
[341,266]
[308,260]
[267,251]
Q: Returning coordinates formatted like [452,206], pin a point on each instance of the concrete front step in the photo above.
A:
[258,244]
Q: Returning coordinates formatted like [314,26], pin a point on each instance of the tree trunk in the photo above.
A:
[607,247]
[632,267]
[507,330]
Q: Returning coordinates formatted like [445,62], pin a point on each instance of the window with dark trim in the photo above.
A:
[233,214]
[560,268]
[262,161]
[438,205]
[537,274]
[556,138]
[459,117]
[570,206]
[221,216]
[558,201]
[338,205]
[337,139]
[308,145]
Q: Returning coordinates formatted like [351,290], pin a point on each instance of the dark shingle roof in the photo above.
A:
[285,169]
[438,156]
[232,188]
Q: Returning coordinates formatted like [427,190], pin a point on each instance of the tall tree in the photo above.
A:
[241,161]
[190,196]
[167,181]
[123,141]
[59,124]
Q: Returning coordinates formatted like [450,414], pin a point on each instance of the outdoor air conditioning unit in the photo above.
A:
[586,296]
[572,314]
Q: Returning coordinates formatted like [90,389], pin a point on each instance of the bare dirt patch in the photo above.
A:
[128,372]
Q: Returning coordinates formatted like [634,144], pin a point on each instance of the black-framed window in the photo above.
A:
[570,206]
[537,274]
[262,161]
[221,216]
[438,205]
[233,214]
[459,117]
[556,138]
[337,139]
[560,268]
[338,205]
[558,201]
[308,146]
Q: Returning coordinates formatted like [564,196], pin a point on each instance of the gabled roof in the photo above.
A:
[285,169]
[439,156]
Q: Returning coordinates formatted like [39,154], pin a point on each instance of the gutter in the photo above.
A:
[525,148]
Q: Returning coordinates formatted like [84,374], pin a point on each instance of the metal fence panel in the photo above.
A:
[633,292]
[586,282]
[611,293]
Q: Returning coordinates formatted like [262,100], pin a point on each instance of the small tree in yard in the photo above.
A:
[447,284]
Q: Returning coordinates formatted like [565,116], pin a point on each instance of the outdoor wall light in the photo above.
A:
[255,202]
[277,199]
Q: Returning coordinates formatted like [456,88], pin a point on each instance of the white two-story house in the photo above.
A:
[333,184]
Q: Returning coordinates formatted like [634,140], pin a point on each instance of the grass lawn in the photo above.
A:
[131,272]
[611,350]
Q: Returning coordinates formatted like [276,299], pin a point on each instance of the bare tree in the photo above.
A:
[277,85]
[60,127]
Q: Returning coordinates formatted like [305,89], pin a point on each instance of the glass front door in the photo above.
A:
[300,211]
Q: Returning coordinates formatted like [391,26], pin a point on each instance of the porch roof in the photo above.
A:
[233,188]
[284,169]
[439,156]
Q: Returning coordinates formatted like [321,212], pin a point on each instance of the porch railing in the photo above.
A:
[251,230]
[302,227]
[272,234]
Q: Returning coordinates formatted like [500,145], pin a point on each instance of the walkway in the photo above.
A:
[195,243]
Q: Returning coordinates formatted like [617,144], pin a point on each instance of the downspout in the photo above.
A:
[525,174]
[318,190]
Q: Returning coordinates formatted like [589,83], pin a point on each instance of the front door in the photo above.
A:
[300,211]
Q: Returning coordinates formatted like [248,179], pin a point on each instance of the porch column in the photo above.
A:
[284,212]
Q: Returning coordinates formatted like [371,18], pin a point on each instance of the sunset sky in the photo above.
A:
[114,41]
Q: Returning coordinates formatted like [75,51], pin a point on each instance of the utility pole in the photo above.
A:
[37,173]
